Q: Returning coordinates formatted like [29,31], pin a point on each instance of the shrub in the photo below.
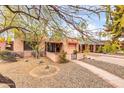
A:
[111,47]
[122,49]
[62,57]
[99,50]
[75,52]
[7,56]
[86,52]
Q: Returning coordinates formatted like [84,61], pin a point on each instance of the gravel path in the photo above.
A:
[70,75]
[112,68]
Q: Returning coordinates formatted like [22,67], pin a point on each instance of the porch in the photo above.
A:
[52,49]
[91,47]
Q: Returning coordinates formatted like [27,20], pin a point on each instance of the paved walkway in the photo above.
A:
[108,55]
[115,81]
[119,60]
[109,77]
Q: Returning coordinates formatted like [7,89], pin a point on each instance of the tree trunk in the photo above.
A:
[37,54]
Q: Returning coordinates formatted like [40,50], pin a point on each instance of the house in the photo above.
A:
[93,46]
[54,47]
[51,48]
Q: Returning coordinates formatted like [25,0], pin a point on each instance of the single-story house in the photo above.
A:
[52,48]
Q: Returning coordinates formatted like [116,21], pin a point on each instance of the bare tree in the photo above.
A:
[55,16]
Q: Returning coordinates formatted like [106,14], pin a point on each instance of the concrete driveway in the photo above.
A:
[114,59]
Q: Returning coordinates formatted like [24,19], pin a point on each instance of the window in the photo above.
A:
[27,46]
[9,46]
[53,47]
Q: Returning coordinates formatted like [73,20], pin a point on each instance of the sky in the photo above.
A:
[95,23]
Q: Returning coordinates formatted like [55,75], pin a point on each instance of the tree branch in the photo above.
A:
[22,12]
[12,27]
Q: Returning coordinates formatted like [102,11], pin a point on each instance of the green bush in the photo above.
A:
[106,48]
[86,52]
[99,50]
[75,52]
[111,47]
[122,49]
[62,57]
[7,56]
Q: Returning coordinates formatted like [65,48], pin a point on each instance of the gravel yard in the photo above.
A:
[69,75]
[112,68]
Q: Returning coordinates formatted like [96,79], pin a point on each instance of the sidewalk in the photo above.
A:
[109,59]
[108,55]
[115,81]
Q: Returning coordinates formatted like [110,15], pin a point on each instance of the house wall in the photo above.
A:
[18,45]
[28,54]
[2,46]
[66,47]
[94,48]
[52,56]
[69,48]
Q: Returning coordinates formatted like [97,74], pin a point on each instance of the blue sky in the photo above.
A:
[97,22]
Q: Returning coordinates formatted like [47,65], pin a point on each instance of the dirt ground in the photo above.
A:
[70,75]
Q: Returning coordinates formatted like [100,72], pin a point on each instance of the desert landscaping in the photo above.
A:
[61,46]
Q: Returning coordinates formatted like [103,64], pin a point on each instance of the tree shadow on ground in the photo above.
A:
[8,81]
